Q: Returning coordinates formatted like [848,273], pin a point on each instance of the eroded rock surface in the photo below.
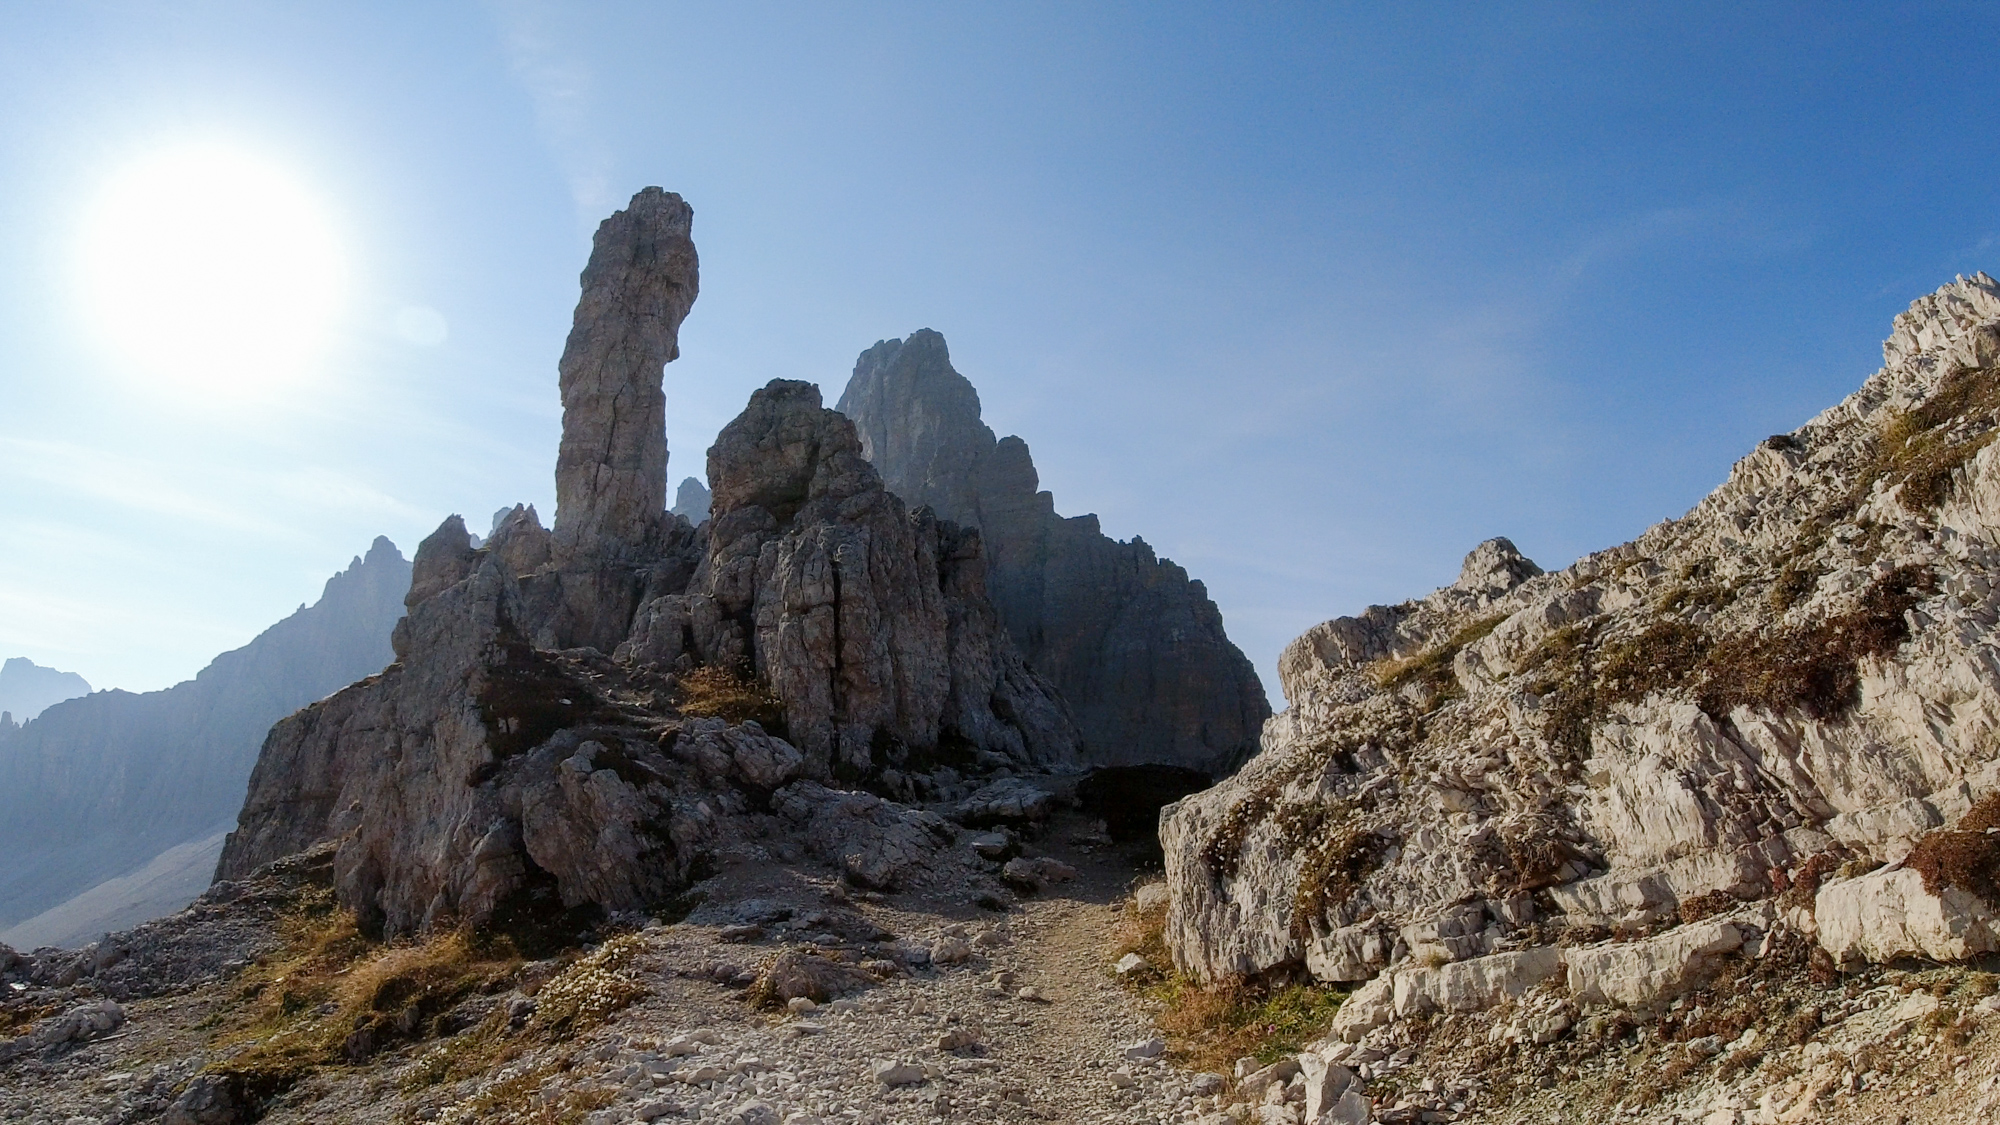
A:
[1133,644]
[1802,671]
[504,763]
[869,621]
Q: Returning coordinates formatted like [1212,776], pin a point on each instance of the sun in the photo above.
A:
[212,271]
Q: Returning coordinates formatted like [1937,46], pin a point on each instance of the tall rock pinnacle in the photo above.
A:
[611,472]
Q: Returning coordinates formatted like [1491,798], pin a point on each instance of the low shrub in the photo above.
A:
[1966,857]
[731,694]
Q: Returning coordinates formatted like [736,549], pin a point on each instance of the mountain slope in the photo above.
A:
[96,787]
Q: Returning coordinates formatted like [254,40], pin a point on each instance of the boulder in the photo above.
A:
[1888,915]
[1037,874]
[796,974]
[211,1099]
[876,843]
[1474,985]
[1643,973]
[1007,801]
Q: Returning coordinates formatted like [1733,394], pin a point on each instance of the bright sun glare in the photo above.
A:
[212,271]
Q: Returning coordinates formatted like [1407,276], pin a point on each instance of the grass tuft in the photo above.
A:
[728,693]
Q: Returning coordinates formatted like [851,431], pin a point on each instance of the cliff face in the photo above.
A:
[506,762]
[1701,727]
[97,786]
[1135,646]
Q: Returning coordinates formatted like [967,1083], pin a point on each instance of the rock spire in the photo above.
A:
[611,471]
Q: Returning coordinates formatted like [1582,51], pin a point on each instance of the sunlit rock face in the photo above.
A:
[1133,644]
[537,746]
[1712,732]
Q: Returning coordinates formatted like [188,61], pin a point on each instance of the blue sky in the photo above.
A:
[1312,297]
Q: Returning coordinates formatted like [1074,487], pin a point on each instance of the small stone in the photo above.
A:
[1146,1048]
[1205,1085]
[753,1113]
[1122,1079]
[801,1005]
[1031,993]
[957,1039]
[1131,963]
[898,1073]
[742,933]
[950,951]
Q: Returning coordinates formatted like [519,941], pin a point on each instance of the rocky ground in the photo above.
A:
[961,1000]
[936,1007]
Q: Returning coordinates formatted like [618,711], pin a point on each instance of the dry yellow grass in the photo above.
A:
[1210,1026]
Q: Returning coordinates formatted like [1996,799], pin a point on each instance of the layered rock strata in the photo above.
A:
[1707,735]
[505,763]
[1134,645]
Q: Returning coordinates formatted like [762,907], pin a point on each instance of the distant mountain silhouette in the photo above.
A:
[26,688]
[97,787]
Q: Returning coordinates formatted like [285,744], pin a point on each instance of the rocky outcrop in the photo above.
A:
[1889,915]
[1803,670]
[691,502]
[1133,644]
[505,766]
[612,525]
[26,688]
[611,472]
[97,787]
[869,621]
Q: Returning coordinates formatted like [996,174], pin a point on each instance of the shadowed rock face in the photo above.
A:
[869,621]
[1135,646]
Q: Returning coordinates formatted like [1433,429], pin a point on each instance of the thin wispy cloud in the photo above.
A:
[562,87]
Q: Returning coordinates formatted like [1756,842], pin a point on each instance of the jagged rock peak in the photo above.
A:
[783,450]
[611,471]
[932,452]
[1495,567]
[869,621]
[692,501]
[1136,647]
[27,687]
